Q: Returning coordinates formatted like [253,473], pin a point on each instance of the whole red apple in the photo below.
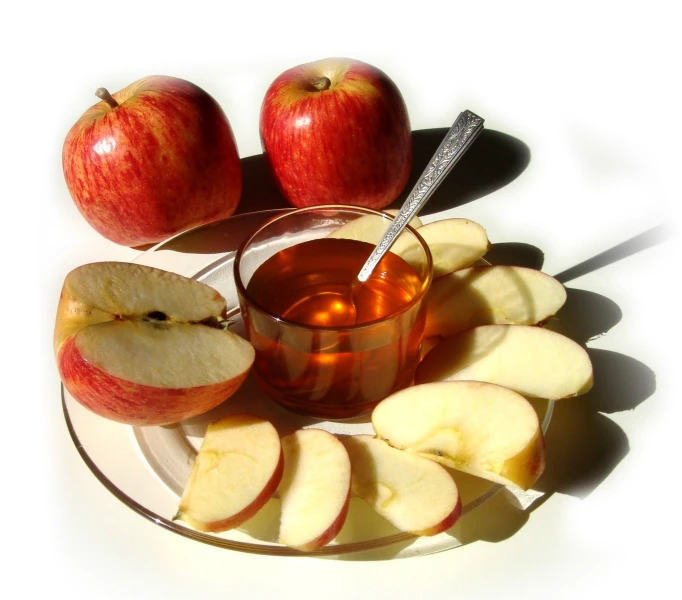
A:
[151,160]
[336,131]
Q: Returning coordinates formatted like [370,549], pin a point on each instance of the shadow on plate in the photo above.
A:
[516,254]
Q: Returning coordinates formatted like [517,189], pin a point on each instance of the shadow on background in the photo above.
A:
[259,190]
[494,160]
[583,444]
[647,239]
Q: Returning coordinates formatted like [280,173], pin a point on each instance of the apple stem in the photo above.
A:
[321,83]
[104,94]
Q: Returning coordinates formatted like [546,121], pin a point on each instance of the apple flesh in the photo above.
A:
[479,428]
[315,489]
[536,362]
[144,346]
[415,494]
[491,295]
[151,160]
[454,244]
[237,470]
[336,131]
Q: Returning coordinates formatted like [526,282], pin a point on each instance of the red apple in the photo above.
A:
[151,160]
[336,131]
[144,346]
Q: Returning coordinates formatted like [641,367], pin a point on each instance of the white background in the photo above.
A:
[587,86]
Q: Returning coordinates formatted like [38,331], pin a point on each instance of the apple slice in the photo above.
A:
[143,346]
[536,362]
[482,429]
[237,470]
[315,489]
[454,244]
[415,494]
[491,295]
[415,222]
[369,228]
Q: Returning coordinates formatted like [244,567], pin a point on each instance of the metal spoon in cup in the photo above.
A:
[457,141]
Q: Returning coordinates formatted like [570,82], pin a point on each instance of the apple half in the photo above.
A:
[144,346]
[315,489]
[237,470]
[413,493]
[479,428]
[485,295]
[533,361]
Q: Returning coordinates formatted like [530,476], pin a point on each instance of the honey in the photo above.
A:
[335,347]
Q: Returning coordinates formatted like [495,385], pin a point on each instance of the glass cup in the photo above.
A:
[326,345]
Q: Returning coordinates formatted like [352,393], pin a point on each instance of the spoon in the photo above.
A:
[338,307]
[456,142]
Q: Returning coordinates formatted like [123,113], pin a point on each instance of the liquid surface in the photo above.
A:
[315,283]
[332,370]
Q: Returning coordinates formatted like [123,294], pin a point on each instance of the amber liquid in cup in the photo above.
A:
[340,346]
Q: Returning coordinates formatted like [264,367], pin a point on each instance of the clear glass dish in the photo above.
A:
[147,467]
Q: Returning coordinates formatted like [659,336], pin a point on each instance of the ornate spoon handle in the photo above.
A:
[457,141]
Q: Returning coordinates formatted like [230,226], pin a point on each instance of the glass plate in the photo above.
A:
[147,467]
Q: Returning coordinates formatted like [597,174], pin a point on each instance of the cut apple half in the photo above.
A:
[485,295]
[536,362]
[413,493]
[144,346]
[237,470]
[315,489]
[479,428]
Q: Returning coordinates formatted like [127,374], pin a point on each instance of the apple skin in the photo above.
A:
[163,161]
[132,403]
[349,144]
